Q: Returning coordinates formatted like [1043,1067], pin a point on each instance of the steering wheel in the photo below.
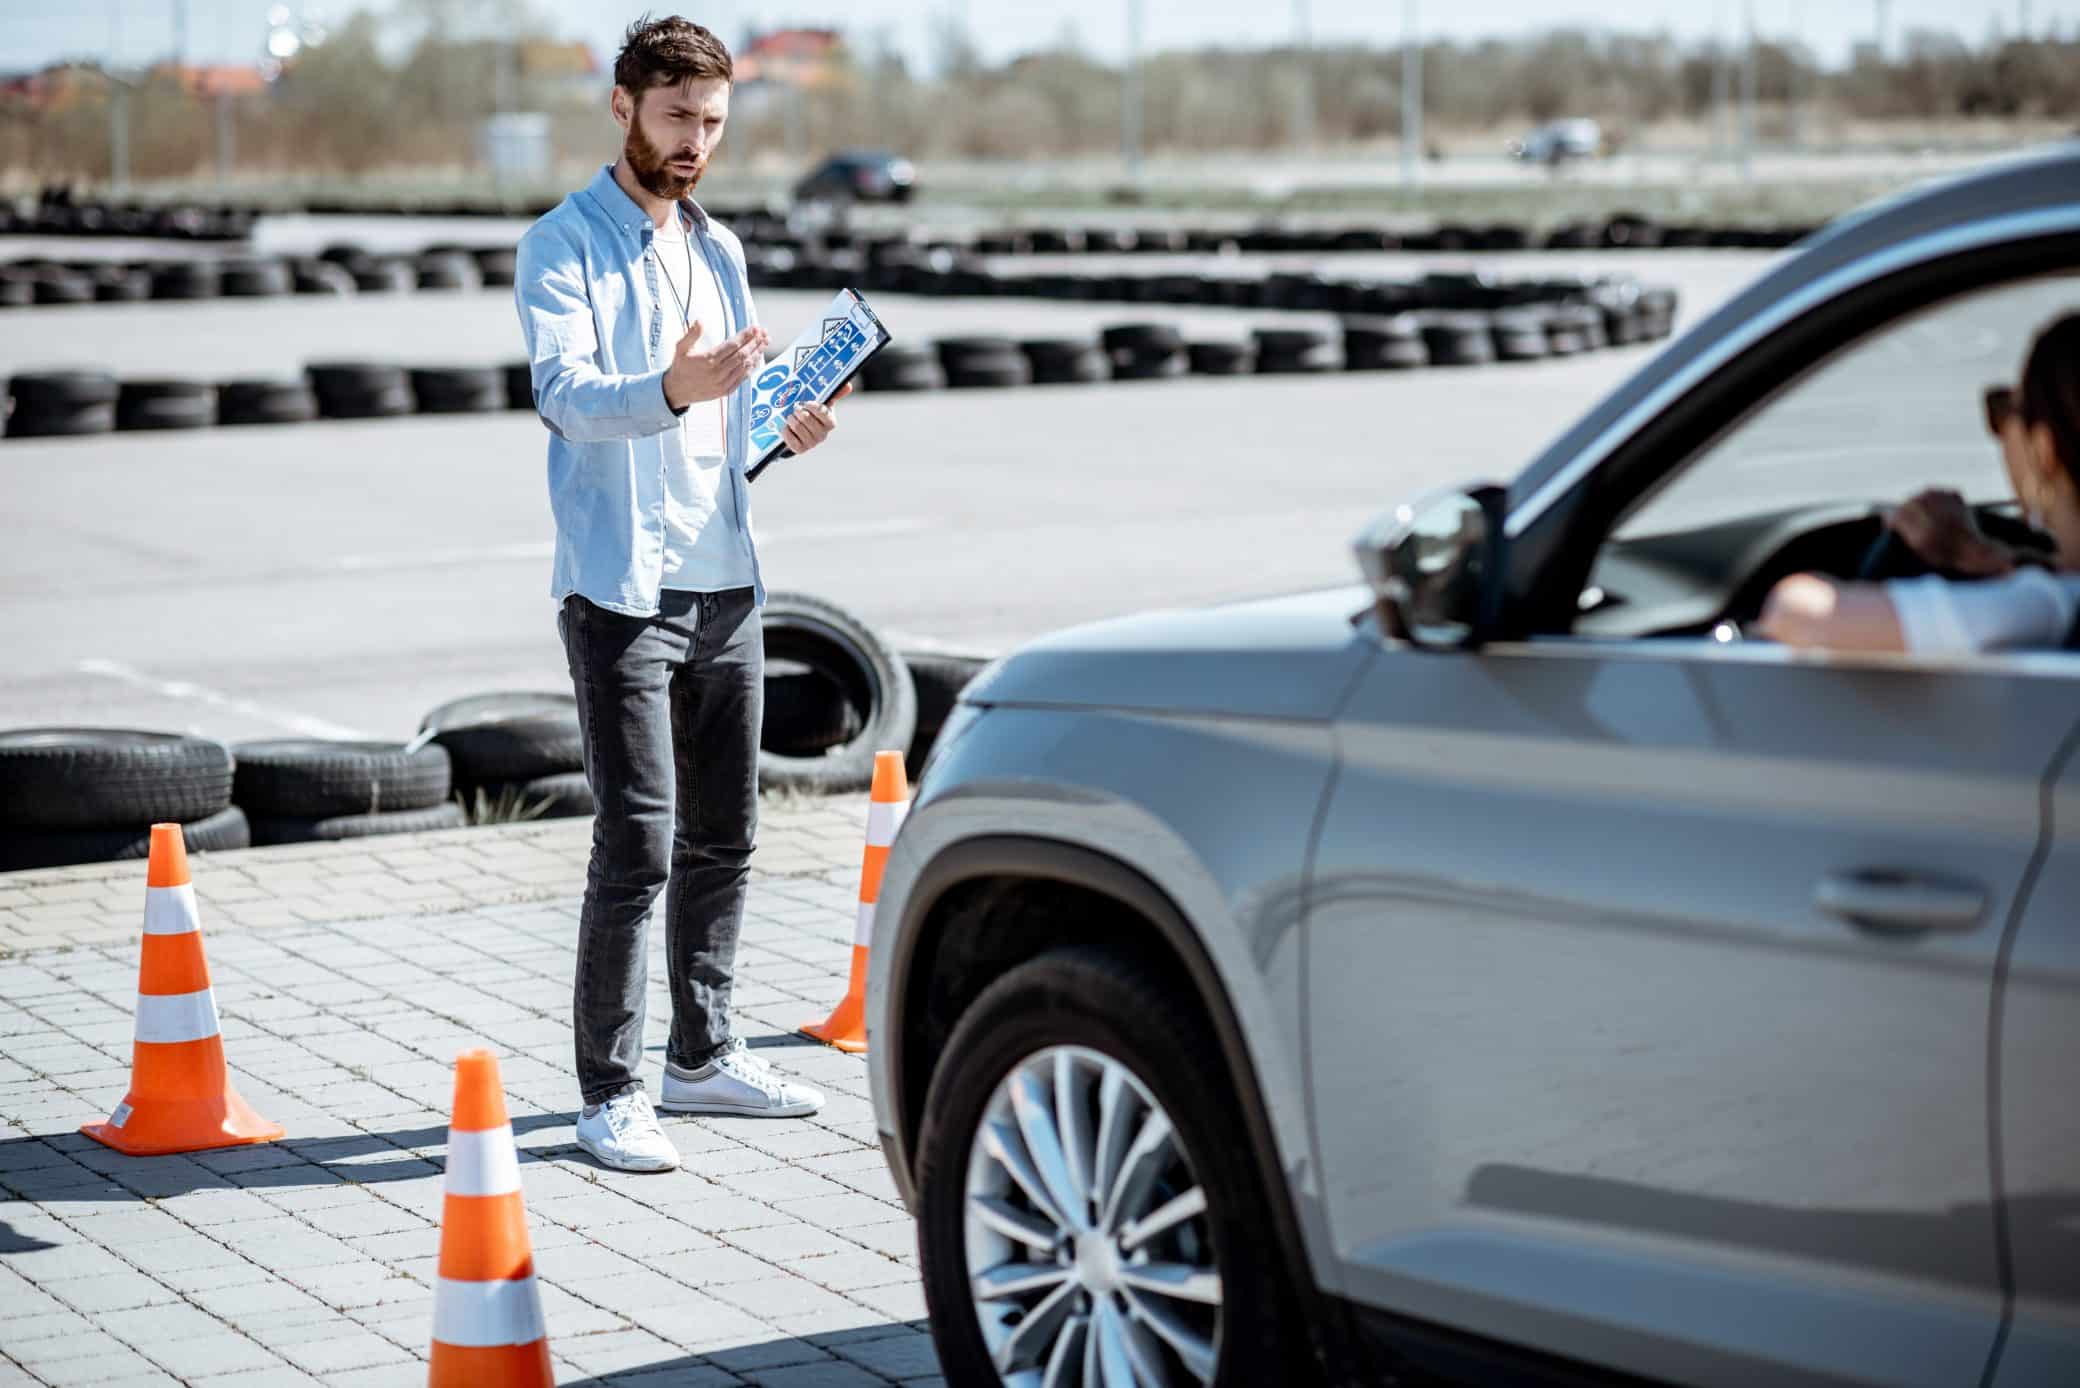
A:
[1889,556]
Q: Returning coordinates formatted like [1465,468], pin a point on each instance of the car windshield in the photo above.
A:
[1895,413]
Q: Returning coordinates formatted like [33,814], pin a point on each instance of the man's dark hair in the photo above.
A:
[666,52]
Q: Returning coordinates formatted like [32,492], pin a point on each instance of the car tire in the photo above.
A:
[1221,358]
[22,849]
[360,390]
[249,279]
[1116,1012]
[519,379]
[1285,351]
[820,635]
[103,778]
[269,830]
[314,778]
[508,737]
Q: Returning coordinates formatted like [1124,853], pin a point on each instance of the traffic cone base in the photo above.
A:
[181,1098]
[846,1027]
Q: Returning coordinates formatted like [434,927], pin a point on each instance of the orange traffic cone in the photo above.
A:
[488,1330]
[180,1098]
[847,1026]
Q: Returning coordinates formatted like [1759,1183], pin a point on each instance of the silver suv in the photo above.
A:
[1502,971]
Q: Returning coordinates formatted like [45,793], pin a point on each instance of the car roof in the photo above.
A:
[2045,180]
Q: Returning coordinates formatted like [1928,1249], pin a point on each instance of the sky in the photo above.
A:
[34,32]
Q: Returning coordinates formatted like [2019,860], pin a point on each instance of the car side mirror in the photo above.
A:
[1432,566]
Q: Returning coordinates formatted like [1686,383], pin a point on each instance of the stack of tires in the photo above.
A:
[983,361]
[835,695]
[1295,350]
[1064,361]
[305,790]
[167,404]
[88,795]
[46,403]
[514,755]
[903,366]
[360,390]
[1146,351]
[1390,343]
[266,402]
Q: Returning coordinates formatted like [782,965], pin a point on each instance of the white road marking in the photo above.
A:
[302,723]
[545,549]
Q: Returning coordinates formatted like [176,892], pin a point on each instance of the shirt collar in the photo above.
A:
[627,213]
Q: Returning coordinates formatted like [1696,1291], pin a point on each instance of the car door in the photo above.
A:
[1649,979]
[2038,1106]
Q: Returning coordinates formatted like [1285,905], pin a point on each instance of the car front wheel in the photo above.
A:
[1090,1215]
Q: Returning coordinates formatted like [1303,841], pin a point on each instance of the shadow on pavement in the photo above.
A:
[902,1355]
[11,1242]
[97,1174]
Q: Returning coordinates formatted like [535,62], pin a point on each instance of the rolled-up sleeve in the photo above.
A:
[574,397]
[1939,616]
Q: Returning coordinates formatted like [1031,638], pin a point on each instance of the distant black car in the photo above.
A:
[859,176]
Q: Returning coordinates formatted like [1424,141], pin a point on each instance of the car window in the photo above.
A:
[1896,412]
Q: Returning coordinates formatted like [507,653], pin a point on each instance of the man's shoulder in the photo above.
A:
[562,228]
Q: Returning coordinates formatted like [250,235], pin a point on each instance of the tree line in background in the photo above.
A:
[356,105]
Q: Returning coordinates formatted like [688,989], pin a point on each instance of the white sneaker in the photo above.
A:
[736,1082]
[623,1133]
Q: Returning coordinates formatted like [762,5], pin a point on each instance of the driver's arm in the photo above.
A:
[1812,610]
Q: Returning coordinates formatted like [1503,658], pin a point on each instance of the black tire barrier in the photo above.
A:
[806,711]
[458,389]
[166,405]
[519,378]
[266,402]
[251,279]
[269,830]
[63,287]
[185,280]
[1065,361]
[1458,338]
[109,778]
[815,634]
[1520,334]
[983,361]
[312,778]
[499,738]
[22,849]
[903,366]
[1384,344]
[1221,358]
[1295,350]
[360,390]
[47,404]
[446,270]
[121,284]
[495,267]
[320,277]
[384,276]
[17,290]
[1145,351]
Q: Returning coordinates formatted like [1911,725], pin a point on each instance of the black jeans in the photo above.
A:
[669,708]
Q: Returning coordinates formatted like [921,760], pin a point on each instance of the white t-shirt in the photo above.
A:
[698,556]
[2030,608]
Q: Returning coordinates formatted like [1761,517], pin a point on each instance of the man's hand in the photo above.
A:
[811,423]
[1938,526]
[695,376]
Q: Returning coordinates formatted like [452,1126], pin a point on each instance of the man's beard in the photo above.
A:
[653,169]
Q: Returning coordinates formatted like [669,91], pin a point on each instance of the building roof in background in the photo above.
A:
[797,57]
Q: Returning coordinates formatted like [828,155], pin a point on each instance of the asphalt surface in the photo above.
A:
[341,578]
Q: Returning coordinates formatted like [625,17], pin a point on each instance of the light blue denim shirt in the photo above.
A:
[598,341]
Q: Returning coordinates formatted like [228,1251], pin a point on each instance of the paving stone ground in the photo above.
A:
[347,978]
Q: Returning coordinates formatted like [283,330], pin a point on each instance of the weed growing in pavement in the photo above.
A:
[509,806]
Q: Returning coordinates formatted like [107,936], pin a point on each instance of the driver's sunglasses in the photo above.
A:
[2000,408]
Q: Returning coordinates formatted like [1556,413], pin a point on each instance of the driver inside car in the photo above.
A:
[1990,595]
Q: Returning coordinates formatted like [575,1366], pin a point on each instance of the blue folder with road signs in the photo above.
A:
[829,353]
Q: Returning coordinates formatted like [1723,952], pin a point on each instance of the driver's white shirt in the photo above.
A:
[2030,608]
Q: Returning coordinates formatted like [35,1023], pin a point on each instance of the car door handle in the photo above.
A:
[1897,901]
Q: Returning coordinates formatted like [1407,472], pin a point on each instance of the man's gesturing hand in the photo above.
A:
[811,423]
[695,375]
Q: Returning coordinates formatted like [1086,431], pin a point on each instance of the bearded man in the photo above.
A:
[642,341]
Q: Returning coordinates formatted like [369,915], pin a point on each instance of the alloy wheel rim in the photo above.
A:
[1090,1256]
